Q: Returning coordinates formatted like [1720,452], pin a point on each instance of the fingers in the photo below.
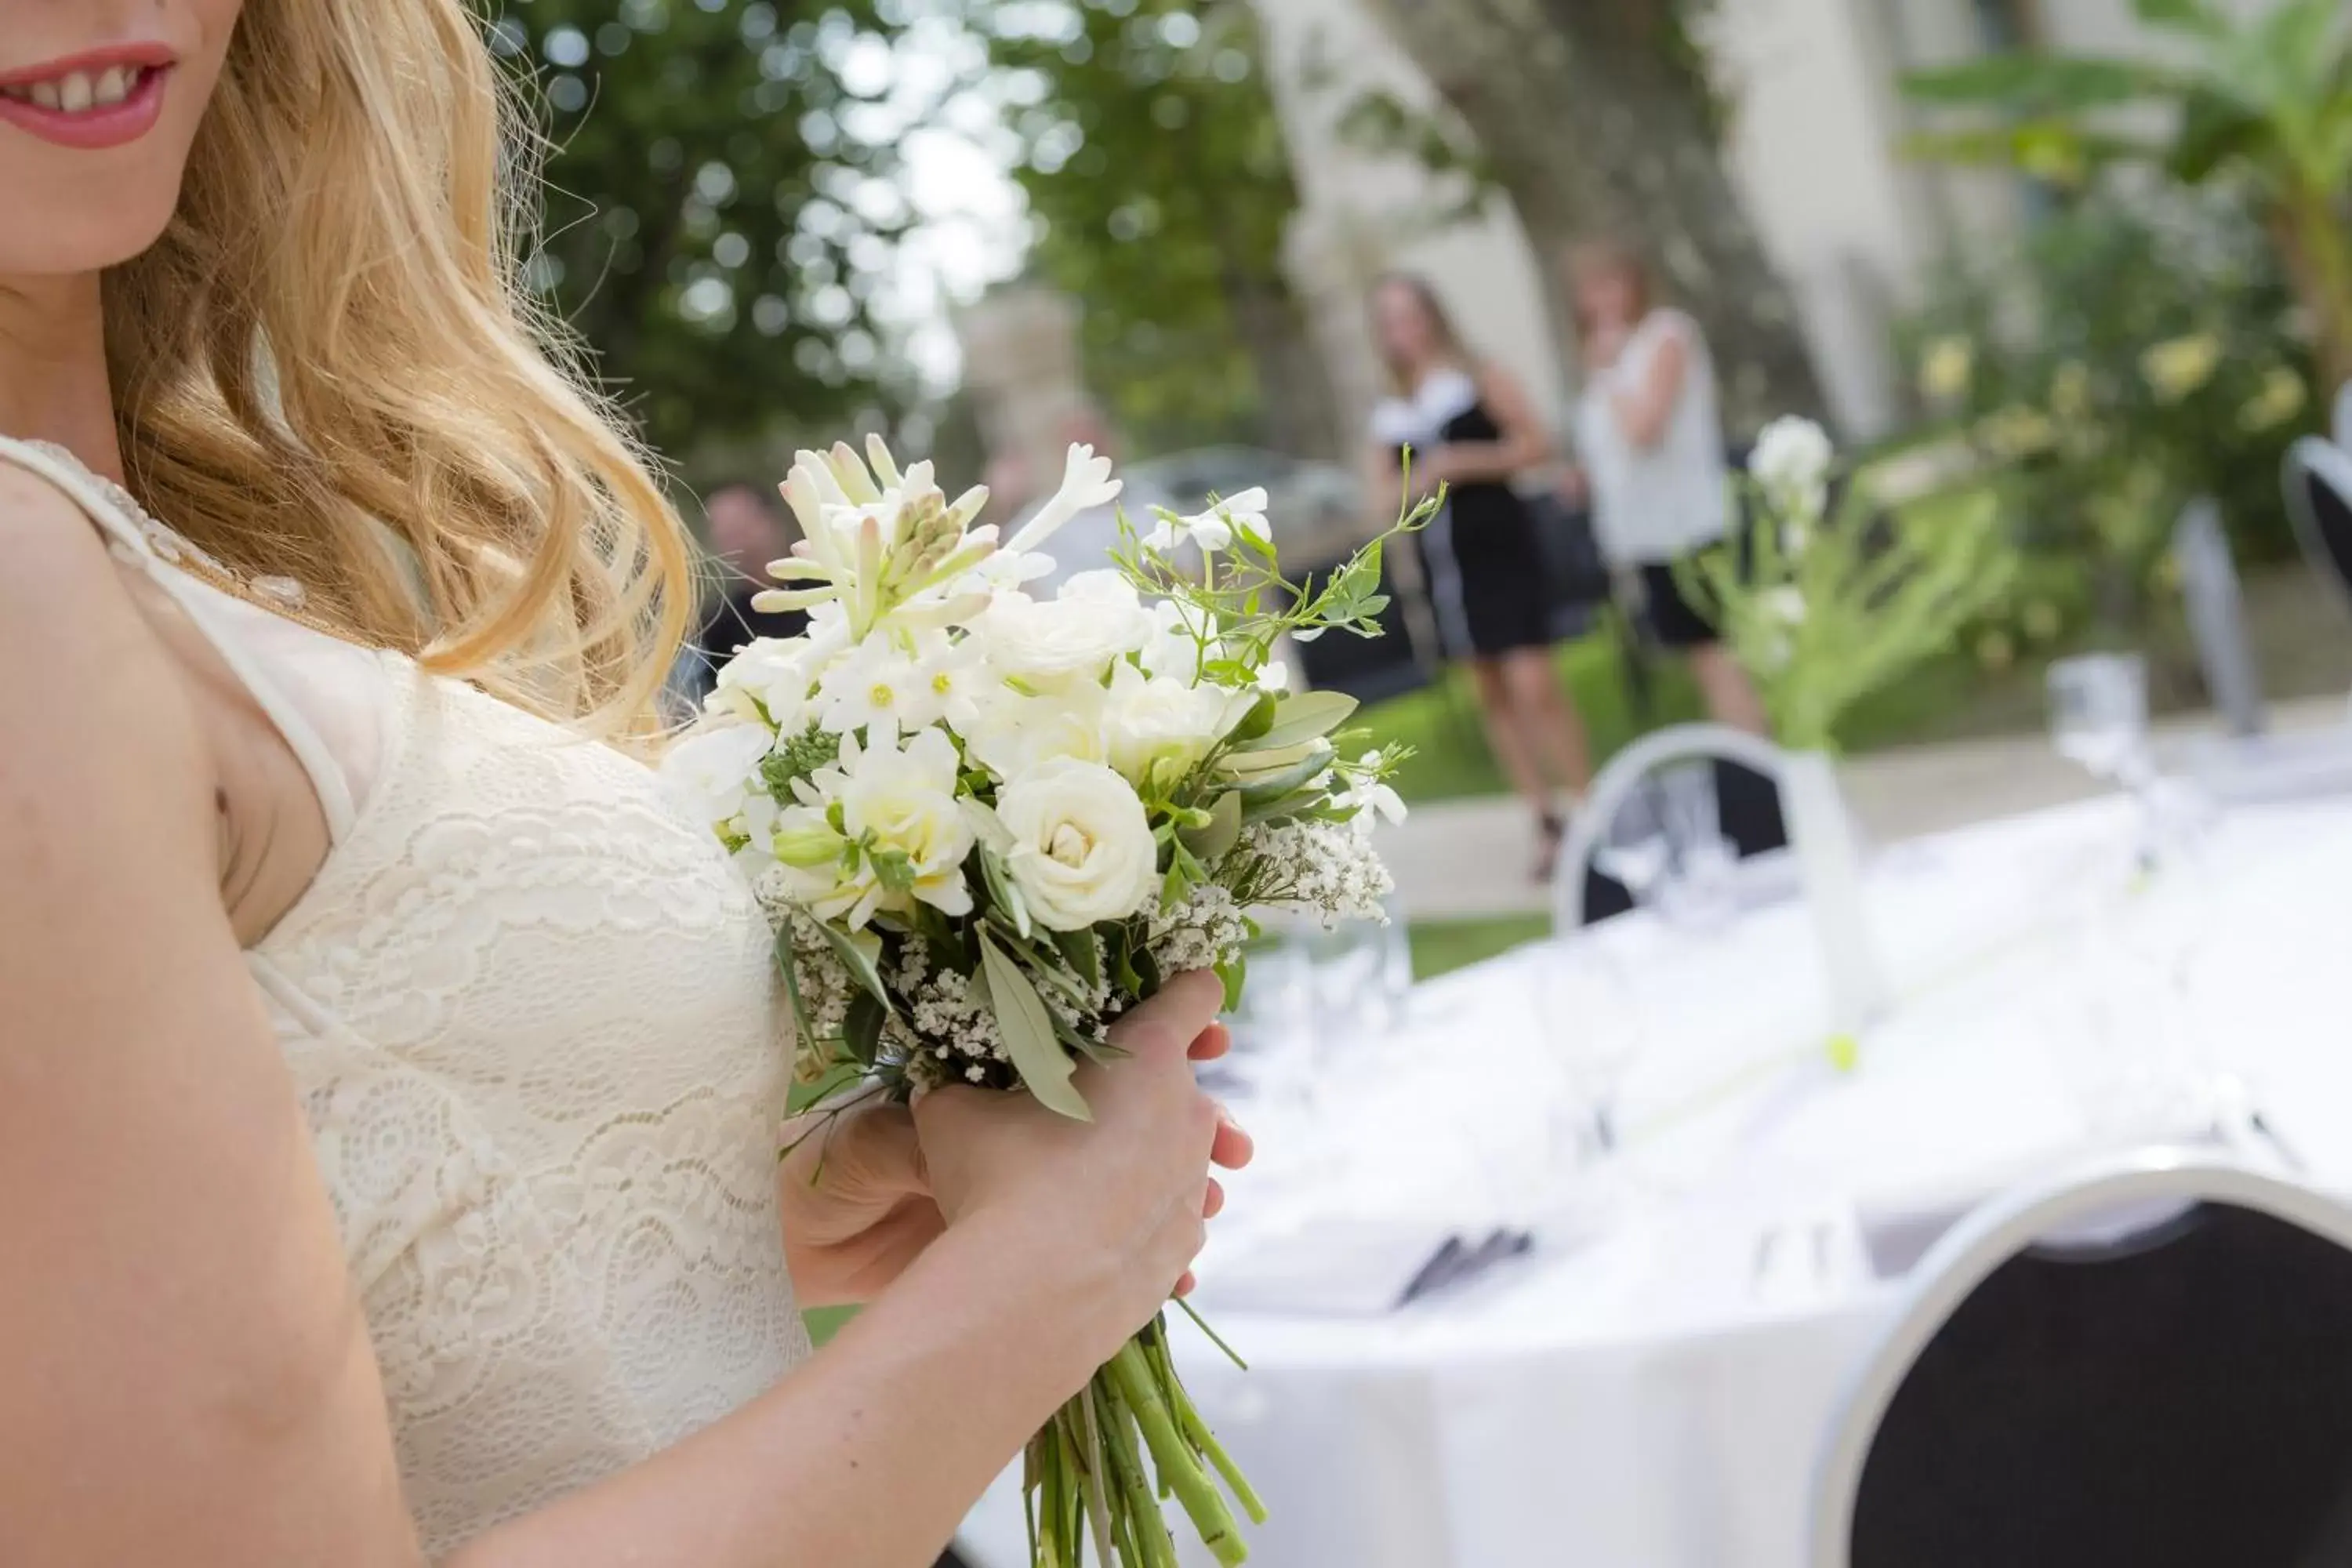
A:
[1169,1022]
[1184,1285]
[1232,1147]
[1212,1200]
[1211,1043]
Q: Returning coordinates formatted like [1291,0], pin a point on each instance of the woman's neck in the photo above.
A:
[53,382]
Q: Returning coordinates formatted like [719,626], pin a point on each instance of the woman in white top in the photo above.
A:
[1651,436]
[389,1073]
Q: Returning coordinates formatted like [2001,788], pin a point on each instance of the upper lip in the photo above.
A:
[90,62]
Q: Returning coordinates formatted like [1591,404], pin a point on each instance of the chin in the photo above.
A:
[84,226]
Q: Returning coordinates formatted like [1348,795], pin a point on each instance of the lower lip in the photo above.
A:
[116,125]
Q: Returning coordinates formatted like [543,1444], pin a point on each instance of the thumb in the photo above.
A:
[1174,1017]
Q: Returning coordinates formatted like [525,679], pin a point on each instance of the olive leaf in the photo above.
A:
[1028,1030]
[1304,717]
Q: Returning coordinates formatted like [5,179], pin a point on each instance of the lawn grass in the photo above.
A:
[1440,946]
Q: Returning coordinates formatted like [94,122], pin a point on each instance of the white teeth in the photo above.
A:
[77,92]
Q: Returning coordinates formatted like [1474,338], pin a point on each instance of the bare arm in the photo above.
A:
[1522,445]
[1643,411]
[188,1377]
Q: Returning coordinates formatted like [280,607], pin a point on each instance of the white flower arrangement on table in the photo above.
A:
[1823,604]
[987,825]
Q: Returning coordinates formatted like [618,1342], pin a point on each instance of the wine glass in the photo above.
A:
[2098,714]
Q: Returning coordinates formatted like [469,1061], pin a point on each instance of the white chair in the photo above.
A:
[2342,424]
[1727,778]
[2117,1366]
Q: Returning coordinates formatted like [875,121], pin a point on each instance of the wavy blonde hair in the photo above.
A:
[326,370]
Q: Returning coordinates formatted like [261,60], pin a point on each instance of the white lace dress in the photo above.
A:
[532,1016]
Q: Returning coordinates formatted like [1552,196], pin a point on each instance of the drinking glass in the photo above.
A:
[2098,714]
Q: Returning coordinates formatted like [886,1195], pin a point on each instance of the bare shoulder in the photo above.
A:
[89,685]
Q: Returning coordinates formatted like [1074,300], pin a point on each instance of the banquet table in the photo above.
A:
[1650,1385]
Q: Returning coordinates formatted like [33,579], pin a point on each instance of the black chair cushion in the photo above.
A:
[2183,1402]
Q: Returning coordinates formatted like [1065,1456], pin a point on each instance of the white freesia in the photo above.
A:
[897,805]
[1213,529]
[1368,795]
[875,684]
[713,768]
[1011,734]
[1181,633]
[1097,618]
[1157,723]
[766,682]
[1791,461]
[1082,850]
[1085,484]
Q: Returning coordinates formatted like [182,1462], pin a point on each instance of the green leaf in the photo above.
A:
[1028,1030]
[1234,973]
[1256,721]
[1274,786]
[787,963]
[861,1030]
[1307,716]
[2028,83]
[853,959]
[2214,132]
[1082,951]
[1293,804]
[1002,890]
[2191,16]
[1221,832]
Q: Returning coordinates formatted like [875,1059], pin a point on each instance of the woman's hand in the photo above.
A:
[857,1202]
[1112,1211]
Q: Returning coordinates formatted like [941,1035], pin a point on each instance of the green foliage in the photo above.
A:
[1822,606]
[2123,357]
[718,200]
[1154,162]
[2265,103]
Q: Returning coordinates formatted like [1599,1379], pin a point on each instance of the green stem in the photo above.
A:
[1205,1442]
[1149,1531]
[1178,1467]
[1098,1514]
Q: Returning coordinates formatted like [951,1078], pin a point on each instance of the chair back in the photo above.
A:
[1670,787]
[2142,1362]
[2319,503]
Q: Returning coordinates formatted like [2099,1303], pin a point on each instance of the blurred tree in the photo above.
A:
[2262,103]
[1155,166]
[1599,118]
[718,204]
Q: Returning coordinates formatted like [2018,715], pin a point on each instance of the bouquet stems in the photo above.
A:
[1086,1478]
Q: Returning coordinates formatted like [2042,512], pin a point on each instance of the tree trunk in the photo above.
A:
[1301,409]
[1597,127]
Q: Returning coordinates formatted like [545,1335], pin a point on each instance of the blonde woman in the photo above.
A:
[1650,431]
[389,1078]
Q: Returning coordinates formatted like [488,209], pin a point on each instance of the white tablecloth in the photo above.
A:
[1651,1392]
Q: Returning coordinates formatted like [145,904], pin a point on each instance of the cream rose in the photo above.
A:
[1159,721]
[1082,850]
[1097,618]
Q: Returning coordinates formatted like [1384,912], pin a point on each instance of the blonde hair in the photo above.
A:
[325,370]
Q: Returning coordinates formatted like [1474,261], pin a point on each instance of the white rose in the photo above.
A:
[1082,849]
[1012,734]
[1155,721]
[715,772]
[1791,461]
[772,672]
[1097,618]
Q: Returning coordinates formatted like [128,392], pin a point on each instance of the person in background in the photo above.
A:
[1471,428]
[748,531]
[1085,542]
[1651,435]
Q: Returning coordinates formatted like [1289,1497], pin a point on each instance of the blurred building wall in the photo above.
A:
[1813,145]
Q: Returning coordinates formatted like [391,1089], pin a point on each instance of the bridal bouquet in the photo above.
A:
[988,823]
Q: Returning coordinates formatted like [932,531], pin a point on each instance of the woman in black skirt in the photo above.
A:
[1470,428]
